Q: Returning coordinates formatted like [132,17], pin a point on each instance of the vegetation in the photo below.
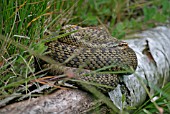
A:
[25,22]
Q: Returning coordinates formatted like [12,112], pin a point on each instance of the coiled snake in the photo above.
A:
[92,48]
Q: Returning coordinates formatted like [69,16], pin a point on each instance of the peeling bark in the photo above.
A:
[152,49]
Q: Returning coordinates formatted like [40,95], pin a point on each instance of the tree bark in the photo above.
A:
[152,49]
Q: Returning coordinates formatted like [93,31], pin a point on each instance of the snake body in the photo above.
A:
[92,48]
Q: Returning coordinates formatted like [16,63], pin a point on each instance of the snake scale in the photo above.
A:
[92,48]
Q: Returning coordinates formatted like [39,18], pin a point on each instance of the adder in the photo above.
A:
[90,49]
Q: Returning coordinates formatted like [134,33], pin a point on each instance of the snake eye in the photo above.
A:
[123,44]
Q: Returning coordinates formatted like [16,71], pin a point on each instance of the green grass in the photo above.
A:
[23,23]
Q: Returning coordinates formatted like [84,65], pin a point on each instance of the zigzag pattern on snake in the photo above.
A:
[92,48]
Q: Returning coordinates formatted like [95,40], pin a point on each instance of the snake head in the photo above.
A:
[123,45]
[118,44]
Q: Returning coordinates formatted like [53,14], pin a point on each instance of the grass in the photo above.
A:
[23,23]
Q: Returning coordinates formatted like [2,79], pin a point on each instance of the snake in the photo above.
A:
[92,48]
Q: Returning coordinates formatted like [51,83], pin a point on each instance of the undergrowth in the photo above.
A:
[24,24]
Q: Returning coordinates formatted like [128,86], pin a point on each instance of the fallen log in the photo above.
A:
[152,49]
